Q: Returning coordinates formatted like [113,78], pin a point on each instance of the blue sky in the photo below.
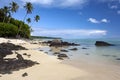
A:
[73,18]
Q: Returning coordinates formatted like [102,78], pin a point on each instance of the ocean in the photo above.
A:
[109,55]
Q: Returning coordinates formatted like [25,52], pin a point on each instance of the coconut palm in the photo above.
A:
[29,8]
[6,11]
[37,18]
[13,8]
[28,20]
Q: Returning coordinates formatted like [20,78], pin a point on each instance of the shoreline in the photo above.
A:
[51,68]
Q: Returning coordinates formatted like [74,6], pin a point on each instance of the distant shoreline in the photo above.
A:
[44,37]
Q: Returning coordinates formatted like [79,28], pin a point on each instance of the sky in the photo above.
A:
[72,18]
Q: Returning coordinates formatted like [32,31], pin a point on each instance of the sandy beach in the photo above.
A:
[51,68]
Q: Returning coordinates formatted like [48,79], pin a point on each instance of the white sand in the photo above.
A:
[50,68]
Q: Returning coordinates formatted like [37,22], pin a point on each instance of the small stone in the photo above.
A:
[73,49]
[64,50]
[41,50]
[62,55]
[24,74]
[46,52]
[87,54]
[28,55]
[84,48]
[60,58]
[24,53]
[56,53]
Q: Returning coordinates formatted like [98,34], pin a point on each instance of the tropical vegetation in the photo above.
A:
[11,27]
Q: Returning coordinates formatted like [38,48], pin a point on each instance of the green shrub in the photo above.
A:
[8,30]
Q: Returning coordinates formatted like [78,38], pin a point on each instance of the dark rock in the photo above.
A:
[87,54]
[10,46]
[73,49]
[59,43]
[118,59]
[28,55]
[84,48]
[63,50]
[106,55]
[56,53]
[6,49]
[24,53]
[46,52]
[50,50]
[41,50]
[62,55]
[24,74]
[60,58]
[102,43]
[9,65]
[19,56]
[56,42]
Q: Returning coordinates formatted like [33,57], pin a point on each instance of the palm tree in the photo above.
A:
[28,20]
[6,11]
[29,8]
[13,8]
[37,18]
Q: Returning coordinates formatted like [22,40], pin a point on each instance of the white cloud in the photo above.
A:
[42,2]
[118,11]
[93,20]
[114,7]
[70,33]
[104,21]
[59,3]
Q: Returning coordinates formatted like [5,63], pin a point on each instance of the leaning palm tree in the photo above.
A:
[13,8]
[37,18]
[6,11]
[28,20]
[29,8]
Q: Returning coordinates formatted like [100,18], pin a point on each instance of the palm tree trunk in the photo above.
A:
[17,36]
[20,26]
[3,19]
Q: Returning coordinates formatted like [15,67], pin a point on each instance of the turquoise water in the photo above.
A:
[107,55]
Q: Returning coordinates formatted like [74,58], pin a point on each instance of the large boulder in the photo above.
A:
[102,43]
[58,42]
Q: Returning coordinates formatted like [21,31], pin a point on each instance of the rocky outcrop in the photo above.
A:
[60,43]
[9,65]
[6,49]
[102,43]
